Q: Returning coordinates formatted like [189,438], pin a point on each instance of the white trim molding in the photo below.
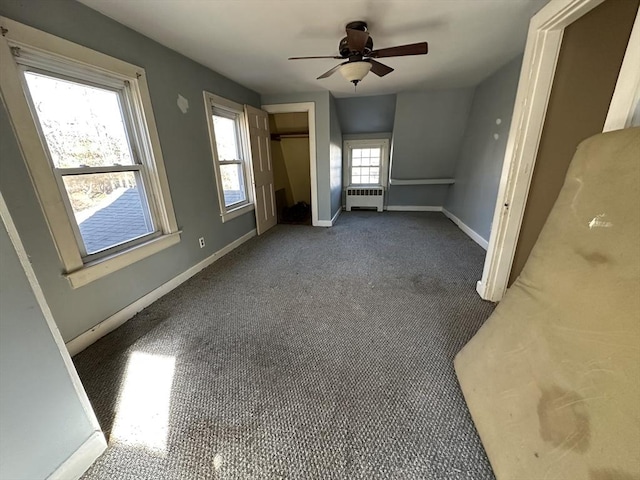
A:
[329,223]
[217,105]
[544,40]
[85,339]
[626,95]
[43,50]
[471,233]
[413,208]
[335,217]
[383,173]
[93,447]
[310,108]
[80,461]
[423,181]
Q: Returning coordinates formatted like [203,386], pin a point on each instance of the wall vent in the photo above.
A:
[365,197]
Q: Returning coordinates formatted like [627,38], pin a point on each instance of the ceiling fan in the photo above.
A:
[357,49]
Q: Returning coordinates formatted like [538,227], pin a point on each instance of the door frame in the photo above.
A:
[627,92]
[310,109]
[544,40]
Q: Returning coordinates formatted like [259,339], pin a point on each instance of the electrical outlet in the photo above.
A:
[201,241]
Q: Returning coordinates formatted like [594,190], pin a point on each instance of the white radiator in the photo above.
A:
[365,197]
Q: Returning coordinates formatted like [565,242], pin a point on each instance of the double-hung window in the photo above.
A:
[229,137]
[91,146]
[367,162]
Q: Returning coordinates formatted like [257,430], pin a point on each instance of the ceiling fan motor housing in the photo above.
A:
[345,52]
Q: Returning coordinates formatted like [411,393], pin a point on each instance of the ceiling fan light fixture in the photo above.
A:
[355,71]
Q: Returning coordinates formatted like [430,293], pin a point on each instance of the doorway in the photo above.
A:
[291,166]
[309,109]
[577,108]
[533,101]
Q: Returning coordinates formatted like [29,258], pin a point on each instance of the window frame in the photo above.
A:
[60,58]
[232,110]
[383,144]
[138,167]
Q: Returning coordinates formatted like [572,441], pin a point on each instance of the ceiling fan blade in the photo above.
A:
[305,58]
[379,69]
[357,40]
[421,48]
[330,72]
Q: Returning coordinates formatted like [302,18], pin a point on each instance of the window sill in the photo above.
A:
[105,266]
[236,212]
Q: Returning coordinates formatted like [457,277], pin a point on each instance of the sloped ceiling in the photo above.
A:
[249,40]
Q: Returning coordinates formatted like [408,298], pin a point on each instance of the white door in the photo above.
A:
[260,142]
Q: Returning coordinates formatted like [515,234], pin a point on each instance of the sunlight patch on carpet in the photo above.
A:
[142,418]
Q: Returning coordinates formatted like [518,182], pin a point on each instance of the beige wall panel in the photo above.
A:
[296,158]
[280,175]
[289,122]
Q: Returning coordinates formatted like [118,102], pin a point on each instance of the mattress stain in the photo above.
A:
[610,474]
[564,421]
[594,258]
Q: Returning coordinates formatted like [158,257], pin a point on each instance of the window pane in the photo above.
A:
[226,138]
[82,125]
[110,208]
[233,184]
[374,157]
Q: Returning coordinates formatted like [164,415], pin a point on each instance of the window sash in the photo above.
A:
[377,166]
[126,104]
[138,171]
[382,145]
[237,116]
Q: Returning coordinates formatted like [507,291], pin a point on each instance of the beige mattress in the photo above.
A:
[552,379]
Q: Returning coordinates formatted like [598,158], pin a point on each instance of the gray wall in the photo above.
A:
[42,419]
[335,157]
[185,146]
[473,197]
[427,136]
[366,114]
[323,141]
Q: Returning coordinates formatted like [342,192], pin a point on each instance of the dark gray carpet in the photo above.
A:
[308,353]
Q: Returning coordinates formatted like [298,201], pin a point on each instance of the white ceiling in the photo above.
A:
[249,40]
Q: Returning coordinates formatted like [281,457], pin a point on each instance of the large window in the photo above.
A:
[366,162]
[85,123]
[228,133]
[95,159]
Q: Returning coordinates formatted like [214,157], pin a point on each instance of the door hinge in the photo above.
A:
[15,51]
[4,31]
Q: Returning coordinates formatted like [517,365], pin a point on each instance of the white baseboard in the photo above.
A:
[329,223]
[475,236]
[335,217]
[85,339]
[80,460]
[412,208]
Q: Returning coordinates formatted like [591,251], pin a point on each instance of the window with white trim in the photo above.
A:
[229,139]
[367,162]
[85,124]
